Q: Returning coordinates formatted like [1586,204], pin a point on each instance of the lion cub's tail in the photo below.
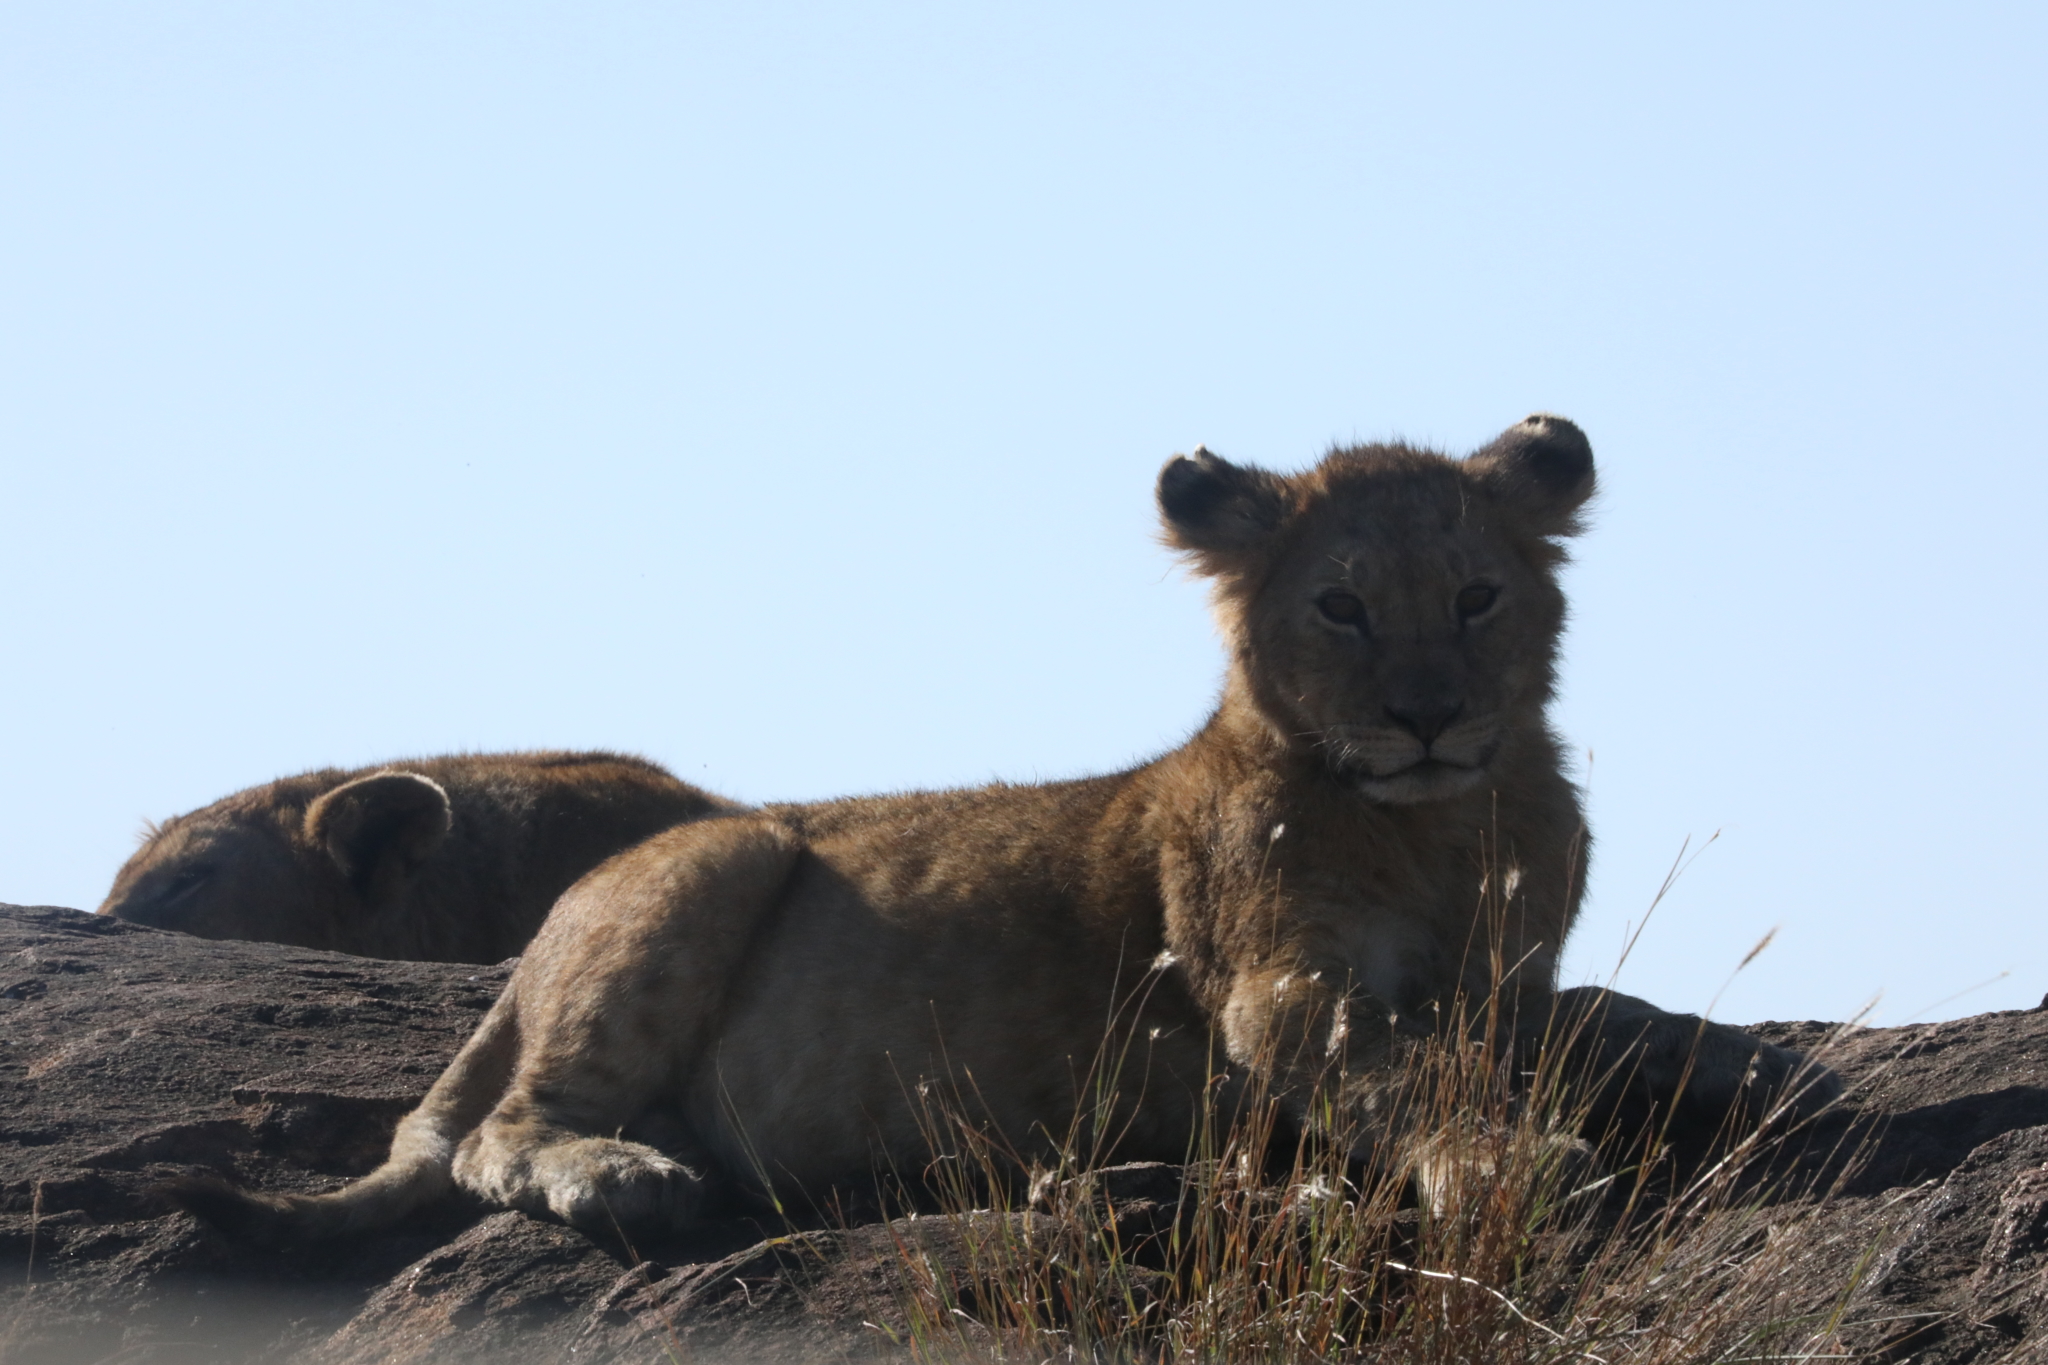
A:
[415,1174]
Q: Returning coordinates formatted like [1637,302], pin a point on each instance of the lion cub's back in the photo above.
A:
[968,935]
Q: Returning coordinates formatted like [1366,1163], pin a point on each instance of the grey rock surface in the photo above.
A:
[129,1056]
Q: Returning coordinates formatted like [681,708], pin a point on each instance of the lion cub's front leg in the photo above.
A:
[1638,1060]
[618,994]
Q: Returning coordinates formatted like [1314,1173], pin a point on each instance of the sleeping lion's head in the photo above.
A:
[1392,611]
[305,860]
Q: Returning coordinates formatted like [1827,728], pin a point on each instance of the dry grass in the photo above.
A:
[1489,1233]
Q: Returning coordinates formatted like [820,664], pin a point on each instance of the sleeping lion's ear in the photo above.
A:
[380,828]
[1217,511]
[1543,465]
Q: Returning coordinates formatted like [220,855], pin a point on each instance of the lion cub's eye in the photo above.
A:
[1475,600]
[1341,607]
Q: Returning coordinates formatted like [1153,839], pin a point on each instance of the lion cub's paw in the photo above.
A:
[1458,1170]
[1642,1059]
[601,1185]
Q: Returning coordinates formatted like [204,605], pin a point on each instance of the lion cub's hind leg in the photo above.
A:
[620,991]
[601,1185]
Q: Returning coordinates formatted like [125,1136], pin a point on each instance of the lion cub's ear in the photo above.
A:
[1542,465]
[380,828]
[1217,511]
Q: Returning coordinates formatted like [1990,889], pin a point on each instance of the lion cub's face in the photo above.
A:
[1394,611]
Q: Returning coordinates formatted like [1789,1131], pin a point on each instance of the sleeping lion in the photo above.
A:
[450,859]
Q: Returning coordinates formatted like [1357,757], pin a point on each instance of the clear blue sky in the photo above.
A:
[777,391]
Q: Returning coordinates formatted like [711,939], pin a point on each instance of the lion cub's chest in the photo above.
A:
[1420,909]
[1388,905]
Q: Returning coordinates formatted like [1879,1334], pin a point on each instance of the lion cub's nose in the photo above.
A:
[1426,720]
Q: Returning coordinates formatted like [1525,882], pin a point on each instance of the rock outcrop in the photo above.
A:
[129,1056]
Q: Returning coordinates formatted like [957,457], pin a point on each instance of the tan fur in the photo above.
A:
[1302,879]
[452,859]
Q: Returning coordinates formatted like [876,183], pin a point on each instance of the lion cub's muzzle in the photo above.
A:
[1395,764]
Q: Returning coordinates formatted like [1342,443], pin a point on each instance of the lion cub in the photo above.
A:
[438,859]
[1299,883]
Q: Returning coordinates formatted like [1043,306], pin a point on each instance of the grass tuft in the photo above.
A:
[1490,1230]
